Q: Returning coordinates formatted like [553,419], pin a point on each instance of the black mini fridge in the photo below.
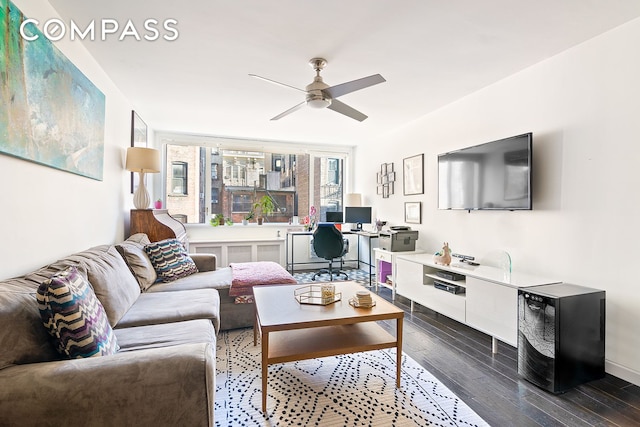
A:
[560,335]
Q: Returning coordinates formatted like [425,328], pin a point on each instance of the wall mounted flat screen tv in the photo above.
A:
[493,176]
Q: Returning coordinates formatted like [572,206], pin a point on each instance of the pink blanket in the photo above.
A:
[246,275]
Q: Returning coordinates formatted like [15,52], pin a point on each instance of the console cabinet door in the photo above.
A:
[409,278]
[493,309]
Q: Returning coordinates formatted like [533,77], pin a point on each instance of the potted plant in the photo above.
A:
[264,207]
[248,217]
[217,219]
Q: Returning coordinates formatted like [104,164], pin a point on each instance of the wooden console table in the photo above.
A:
[489,302]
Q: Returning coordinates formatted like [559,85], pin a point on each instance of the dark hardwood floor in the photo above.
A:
[461,358]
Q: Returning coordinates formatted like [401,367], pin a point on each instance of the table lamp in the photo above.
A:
[142,160]
[353,199]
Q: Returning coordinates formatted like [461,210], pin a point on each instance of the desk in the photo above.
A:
[369,237]
[291,235]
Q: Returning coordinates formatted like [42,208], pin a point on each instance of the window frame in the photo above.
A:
[344,152]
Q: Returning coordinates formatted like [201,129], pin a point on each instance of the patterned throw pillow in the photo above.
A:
[170,260]
[74,316]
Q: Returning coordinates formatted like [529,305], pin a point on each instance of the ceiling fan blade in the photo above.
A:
[343,108]
[275,82]
[290,110]
[352,86]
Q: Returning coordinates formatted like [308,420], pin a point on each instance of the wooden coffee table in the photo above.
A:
[292,331]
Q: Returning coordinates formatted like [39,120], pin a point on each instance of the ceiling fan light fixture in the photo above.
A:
[318,102]
[321,95]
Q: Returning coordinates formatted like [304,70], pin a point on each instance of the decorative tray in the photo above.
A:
[354,303]
[313,294]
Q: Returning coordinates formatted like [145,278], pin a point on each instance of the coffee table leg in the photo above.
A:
[255,329]
[265,368]
[398,351]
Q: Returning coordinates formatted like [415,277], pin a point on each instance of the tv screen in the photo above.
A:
[357,215]
[495,175]
[335,217]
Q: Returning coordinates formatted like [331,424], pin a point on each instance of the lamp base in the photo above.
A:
[141,198]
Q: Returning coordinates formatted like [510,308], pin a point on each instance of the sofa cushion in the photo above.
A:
[22,337]
[232,315]
[166,334]
[204,261]
[108,274]
[74,316]
[170,260]
[166,307]
[132,251]
[218,279]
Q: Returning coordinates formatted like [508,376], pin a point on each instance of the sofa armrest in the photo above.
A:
[164,386]
[205,262]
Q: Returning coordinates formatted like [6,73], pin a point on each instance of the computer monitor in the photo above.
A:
[357,215]
[335,217]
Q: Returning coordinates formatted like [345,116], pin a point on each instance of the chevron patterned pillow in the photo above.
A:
[170,260]
[74,316]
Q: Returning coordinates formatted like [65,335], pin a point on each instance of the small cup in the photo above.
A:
[328,293]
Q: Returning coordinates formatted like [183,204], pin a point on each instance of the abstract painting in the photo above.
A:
[50,113]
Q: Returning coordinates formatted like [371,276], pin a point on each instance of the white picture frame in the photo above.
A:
[413,212]
[413,175]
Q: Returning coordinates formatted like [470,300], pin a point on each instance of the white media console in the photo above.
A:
[489,303]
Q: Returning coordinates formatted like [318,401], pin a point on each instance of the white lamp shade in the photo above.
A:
[353,199]
[141,159]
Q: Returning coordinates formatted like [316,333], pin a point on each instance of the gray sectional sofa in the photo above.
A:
[164,372]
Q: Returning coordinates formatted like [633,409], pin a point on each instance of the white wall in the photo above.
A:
[46,213]
[583,107]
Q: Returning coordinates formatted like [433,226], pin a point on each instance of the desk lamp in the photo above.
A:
[353,199]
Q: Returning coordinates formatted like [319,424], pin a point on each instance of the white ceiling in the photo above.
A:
[431,52]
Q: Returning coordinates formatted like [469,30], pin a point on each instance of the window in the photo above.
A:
[333,171]
[231,179]
[242,203]
[330,185]
[179,178]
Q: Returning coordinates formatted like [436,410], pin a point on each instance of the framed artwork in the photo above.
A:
[413,170]
[413,212]
[385,179]
[50,112]
[138,139]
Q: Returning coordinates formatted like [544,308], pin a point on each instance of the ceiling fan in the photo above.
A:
[321,95]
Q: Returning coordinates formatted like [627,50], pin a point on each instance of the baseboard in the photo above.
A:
[622,372]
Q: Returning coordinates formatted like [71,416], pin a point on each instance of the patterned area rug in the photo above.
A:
[356,275]
[349,390]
